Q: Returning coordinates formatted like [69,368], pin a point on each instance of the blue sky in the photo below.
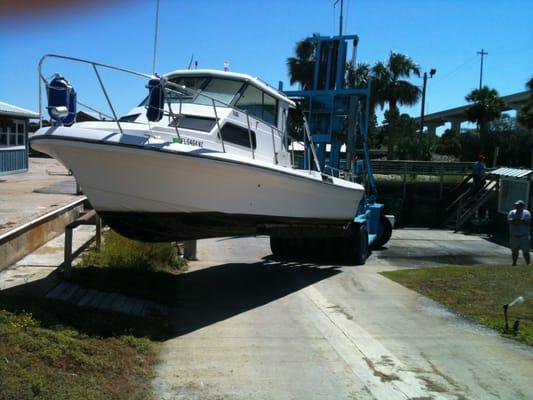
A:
[256,37]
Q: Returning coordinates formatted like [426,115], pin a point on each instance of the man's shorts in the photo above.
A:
[519,243]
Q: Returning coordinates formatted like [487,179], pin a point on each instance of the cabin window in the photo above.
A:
[192,82]
[237,135]
[204,124]
[223,90]
[259,104]
[270,106]
[129,118]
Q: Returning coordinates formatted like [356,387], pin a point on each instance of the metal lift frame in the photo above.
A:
[369,213]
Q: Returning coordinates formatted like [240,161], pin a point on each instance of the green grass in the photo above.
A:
[478,292]
[52,350]
[133,268]
[120,252]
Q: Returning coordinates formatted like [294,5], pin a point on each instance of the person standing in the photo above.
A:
[519,220]
[478,171]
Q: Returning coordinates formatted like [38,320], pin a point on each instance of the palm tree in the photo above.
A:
[390,86]
[525,116]
[302,65]
[486,107]
[358,76]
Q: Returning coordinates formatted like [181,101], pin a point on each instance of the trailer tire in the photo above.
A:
[277,246]
[356,246]
[385,229]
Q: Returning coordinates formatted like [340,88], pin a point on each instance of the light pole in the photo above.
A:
[432,72]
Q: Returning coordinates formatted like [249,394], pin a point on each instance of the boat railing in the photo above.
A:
[340,173]
[95,65]
[181,90]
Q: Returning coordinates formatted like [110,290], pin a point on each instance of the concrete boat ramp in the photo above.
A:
[250,327]
[253,328]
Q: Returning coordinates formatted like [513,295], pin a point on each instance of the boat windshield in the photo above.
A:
[223,90]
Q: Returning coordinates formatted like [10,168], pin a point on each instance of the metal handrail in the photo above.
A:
[180,89]
[340,172]
[167,84]
[311,145]
[94,65]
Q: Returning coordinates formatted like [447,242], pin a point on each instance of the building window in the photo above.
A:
[12,133]
[20,134]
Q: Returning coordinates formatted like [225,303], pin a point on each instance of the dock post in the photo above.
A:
[98,223]
[189,249]
[404,180]
[67,263]
[441,173]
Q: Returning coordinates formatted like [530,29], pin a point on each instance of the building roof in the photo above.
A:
[8,109]
[512,172]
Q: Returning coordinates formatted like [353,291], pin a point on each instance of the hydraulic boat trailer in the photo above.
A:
[336,104]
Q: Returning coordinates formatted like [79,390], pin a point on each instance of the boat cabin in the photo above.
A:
[250,115]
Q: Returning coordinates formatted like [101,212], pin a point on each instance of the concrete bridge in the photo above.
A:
[456,116]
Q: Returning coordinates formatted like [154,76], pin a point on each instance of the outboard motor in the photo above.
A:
[62,101]
[156,99]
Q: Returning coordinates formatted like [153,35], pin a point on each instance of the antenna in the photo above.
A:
[155,34]
[190,61]
[340,17]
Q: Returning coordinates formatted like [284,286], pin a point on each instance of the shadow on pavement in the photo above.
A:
[197,299]
[217,293]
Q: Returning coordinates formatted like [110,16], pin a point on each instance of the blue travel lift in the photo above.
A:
[329,106]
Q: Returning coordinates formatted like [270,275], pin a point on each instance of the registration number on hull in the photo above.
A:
[188,141]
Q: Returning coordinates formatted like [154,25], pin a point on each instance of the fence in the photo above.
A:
[432,168]
[429,168]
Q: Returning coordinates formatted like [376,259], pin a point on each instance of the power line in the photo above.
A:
[454,70]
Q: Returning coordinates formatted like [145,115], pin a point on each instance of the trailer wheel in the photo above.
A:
[362,241]
[356,246]
[277,246]
[385,232]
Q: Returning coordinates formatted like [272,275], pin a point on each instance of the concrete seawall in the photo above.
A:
[24,239]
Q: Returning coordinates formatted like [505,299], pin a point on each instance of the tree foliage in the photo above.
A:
[301,65]
[449,144]
[486,106]
[525,115]
[389,83]
[391,87]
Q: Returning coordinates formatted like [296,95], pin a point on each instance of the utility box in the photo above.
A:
[515,184]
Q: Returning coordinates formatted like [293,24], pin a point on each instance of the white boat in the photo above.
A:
[216,163]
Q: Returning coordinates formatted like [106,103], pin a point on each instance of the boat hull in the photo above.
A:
[154,194]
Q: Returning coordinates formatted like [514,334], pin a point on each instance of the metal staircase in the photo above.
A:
[464,207]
